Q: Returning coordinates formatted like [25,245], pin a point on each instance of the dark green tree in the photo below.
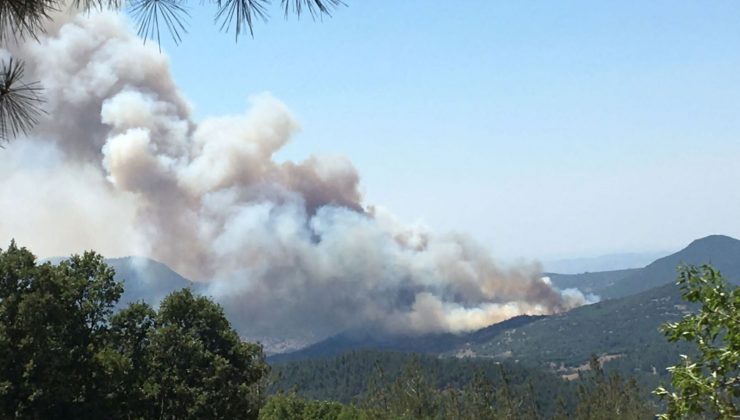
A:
[128,365]
[53,334]
[291,406]
[710,384]
[410,396]
[65,354]
[608,396]
[199,366]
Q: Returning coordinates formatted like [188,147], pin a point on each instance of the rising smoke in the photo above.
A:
[289,248]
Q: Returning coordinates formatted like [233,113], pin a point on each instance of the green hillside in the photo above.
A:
[346,377]
[722,252]
[626,328]
[625,331]
[373,339]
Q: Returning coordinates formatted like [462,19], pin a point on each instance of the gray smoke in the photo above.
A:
[289,248]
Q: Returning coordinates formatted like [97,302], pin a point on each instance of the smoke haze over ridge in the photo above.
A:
[288,248]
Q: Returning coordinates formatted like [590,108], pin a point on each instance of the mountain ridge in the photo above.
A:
[622,324]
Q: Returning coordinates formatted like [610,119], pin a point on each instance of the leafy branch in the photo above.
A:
[710,383]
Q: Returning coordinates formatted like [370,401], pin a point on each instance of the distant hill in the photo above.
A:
[146,280]
[722,252]
[617,325]
[376,340]
[594,283]
[625,330]
[627,325]
[609,262]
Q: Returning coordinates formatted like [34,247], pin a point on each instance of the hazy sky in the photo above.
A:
[543,129]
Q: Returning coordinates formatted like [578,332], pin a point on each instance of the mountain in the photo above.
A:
[617,326]
[627,322]
[146,280]
[594,283]
[376,340]
[609,262]
[624,331]
[722,252]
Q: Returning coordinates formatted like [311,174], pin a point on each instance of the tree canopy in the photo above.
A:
[64,353]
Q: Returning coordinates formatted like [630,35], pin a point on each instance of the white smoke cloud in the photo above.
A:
[288,248]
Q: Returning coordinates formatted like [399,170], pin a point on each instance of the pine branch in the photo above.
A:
[151,13]
[22,18]
[20,102]
[314,7]
[240,13]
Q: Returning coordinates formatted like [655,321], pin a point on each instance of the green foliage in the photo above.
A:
[199,368]
[602,396]
[53,334]
[353,376]
[65,354]
[412,394]
[280,407]
[710,383]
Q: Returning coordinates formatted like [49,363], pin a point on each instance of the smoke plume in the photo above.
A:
[289,248]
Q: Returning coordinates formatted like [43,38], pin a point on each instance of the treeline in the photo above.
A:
[415,394]
[346,377]
[65,354]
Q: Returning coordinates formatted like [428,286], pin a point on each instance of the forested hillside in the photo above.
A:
[346,377]
[379,340]
[379,385]
[625,331]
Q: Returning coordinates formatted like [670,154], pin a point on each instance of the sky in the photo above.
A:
[542,129]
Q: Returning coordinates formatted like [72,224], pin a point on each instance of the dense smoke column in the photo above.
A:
[289,248]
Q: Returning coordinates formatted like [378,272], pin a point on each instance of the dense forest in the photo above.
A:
[362,378]
[414,387]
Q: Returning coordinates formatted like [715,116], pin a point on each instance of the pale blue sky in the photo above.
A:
[543,129]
